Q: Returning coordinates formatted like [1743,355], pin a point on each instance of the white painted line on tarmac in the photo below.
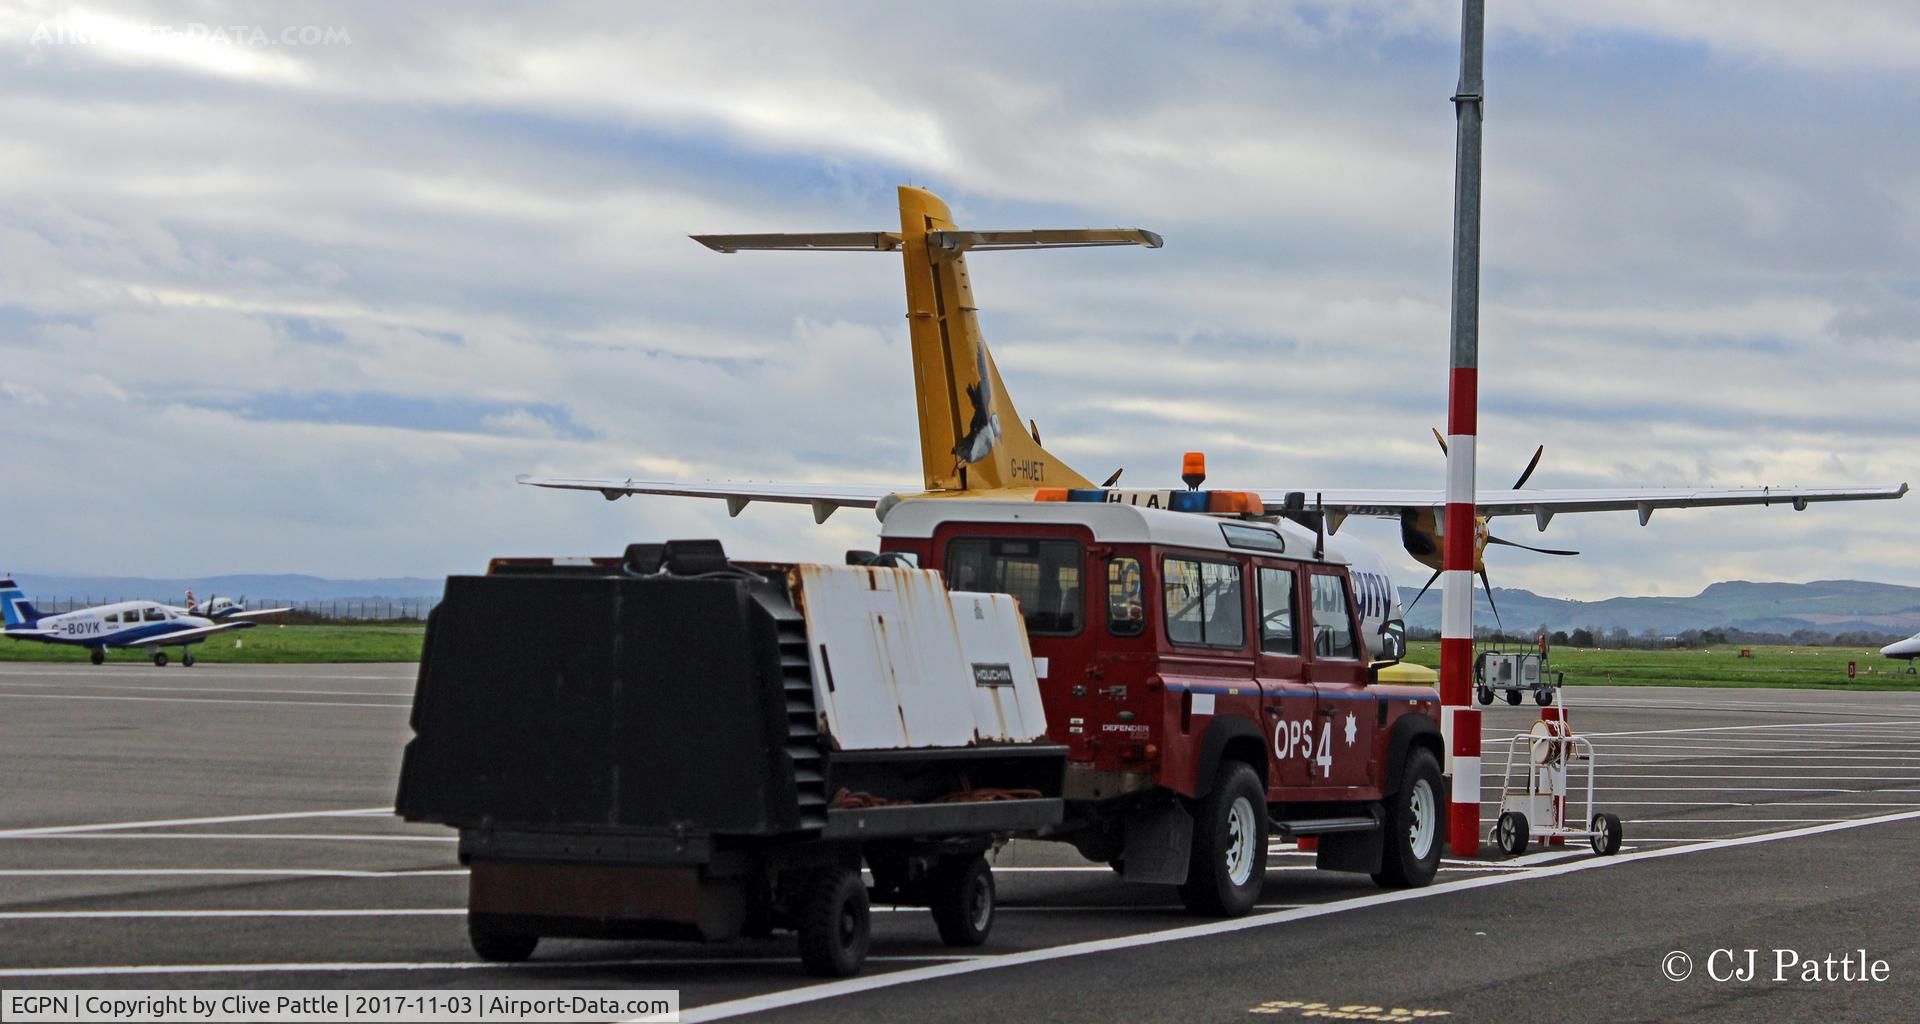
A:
[1908,722]
[225,819]
[449,965]
[266,872]
[202,700]
[119,915]
[344,837]
[261,690]
[849,986]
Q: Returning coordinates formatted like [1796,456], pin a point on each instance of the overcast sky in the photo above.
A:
[301,288]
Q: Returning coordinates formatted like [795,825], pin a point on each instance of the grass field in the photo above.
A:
[1817,668]
[264,644]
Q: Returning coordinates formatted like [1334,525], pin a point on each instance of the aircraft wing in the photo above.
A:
[233,616]
[825,499]
[173,639]
[1543,505]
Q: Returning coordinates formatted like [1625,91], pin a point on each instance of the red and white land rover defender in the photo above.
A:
[1214,683]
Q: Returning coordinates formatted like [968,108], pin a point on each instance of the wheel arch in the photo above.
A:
[1411,732]
[1229,739]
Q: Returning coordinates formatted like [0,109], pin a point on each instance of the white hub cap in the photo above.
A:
[1423,815]
[1241,834]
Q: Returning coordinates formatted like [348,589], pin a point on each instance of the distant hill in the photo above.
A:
[1825,606]
[256,588]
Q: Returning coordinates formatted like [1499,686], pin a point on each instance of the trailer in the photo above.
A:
[672,745]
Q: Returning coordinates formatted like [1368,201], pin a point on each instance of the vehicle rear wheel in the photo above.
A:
[1607,843]
[496,946]
[961,896]
[98,657]
[1413,837]
[1511,832]
[1229,861]
[159,659]
[833,922]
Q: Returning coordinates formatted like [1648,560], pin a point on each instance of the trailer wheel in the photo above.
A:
[496,946]
[961,896]
[1484,693]
[1542,696]
[1511,833]
[1513,697]
[1607,843]
[1413,825]
[833,923]
[1229,862]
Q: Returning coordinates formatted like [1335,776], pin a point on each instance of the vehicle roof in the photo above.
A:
[1110,523]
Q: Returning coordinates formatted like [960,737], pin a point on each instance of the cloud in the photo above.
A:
[352,290]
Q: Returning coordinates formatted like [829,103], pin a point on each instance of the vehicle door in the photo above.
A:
[1289,699]
[1344,706]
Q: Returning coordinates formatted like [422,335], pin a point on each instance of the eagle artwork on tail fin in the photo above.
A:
[983,432]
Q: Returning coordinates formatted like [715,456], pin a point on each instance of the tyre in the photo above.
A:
[1607,843]
[98,657]
[495,946]
[187,659]
[1510,832]
[1513,697]
[1542,696]
[1413,837]
[159,659]
[833,923]
[1229,861]
[1484,693]
[961,895]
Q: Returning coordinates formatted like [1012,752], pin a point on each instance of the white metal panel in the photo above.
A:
[894,668]
[993,637]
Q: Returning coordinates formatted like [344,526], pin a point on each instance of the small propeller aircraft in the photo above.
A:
[147,625]
[226,609]
[974,444]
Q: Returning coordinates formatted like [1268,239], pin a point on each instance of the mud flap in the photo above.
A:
[1364,852]
[1158,842]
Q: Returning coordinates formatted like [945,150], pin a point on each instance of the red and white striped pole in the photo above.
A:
[1459,719]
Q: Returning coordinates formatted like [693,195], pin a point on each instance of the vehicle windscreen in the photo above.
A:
[1043,575]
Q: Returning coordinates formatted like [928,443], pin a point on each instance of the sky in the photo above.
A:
[302,287]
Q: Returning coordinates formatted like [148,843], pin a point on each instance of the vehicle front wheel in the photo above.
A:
[1229,861]
[187,659]
[1414,835]
[833,923]
[98,657]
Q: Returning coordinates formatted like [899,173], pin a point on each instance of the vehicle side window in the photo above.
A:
[1332,620]
[1043,575]
[1277,601]
[1202,601]
[1126,597]
[155,615]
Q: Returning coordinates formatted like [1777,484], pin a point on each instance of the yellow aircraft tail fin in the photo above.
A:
[971,436]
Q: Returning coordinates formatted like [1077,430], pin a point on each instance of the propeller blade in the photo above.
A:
[1438,437]
[1522,482]
[1487,583]
[1423,590]
[1491,539]
[1115,478]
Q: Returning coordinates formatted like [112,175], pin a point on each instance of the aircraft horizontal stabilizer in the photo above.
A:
[940,241]
[815,241]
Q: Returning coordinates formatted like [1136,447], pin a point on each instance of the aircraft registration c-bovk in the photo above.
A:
[148,625]
[974,444]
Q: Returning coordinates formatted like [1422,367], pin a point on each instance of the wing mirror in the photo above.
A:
[1393,647]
